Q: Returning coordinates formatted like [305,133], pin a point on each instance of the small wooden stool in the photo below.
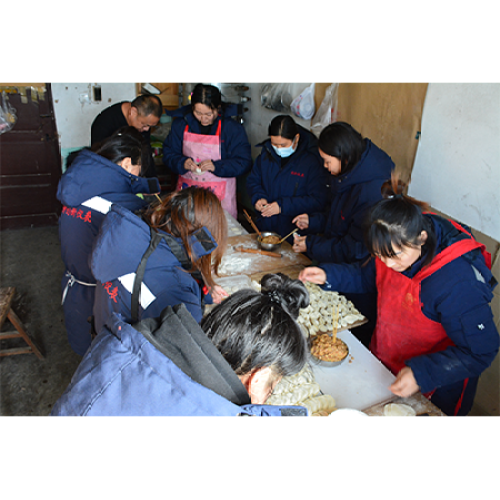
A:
[6,311]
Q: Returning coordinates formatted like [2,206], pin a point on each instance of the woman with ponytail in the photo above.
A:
[167,257]
[435,329]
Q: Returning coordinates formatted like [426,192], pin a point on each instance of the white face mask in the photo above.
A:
[284,152]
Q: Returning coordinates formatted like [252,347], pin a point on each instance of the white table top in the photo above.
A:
[360,382]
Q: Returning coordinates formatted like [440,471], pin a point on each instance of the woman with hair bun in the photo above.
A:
[165,258]
[108,173]
[435,329]
[206,147]
[170,365]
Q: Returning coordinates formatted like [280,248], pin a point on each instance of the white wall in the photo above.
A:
[75,110]
[457,165]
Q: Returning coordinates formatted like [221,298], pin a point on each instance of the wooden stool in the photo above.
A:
[6,311]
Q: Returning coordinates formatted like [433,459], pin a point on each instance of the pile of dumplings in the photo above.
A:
[302,389]
[318,315]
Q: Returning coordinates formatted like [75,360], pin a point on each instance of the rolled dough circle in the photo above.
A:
[398,410]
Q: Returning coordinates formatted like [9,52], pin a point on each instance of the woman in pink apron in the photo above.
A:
[207,149]
[435,329]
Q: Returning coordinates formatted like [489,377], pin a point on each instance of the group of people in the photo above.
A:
[140,267]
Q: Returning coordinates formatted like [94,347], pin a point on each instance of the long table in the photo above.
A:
[361,382]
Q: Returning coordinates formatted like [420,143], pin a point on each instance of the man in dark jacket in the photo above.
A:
[143,113]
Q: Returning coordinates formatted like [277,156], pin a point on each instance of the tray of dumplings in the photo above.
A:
[324,309]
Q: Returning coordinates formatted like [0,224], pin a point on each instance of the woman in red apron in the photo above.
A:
[206,149]
[435,329]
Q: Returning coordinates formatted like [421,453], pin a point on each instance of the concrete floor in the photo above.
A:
[31,262]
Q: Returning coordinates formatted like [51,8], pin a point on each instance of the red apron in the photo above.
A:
[402,330]
[201,147]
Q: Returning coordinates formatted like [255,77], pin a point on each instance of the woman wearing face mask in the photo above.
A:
[287,178]
[435,329]
[207,148]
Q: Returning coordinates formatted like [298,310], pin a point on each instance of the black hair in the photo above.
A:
[209,95]
[254,330]
[148,105]
[342,141]
[398,220]
[126,142]
[283,126]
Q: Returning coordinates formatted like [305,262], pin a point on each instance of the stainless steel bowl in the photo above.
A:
[330,364]
[268,247]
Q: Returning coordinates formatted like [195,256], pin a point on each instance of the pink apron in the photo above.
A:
[201,147]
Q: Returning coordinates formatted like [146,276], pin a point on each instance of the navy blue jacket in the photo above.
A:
[457,296]
[236,155]
[87,190]
[119,248]
[298,187]
[352,194]
[163,366]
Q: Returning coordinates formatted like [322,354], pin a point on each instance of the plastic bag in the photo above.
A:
[327,111]
[303,104]
[8,117]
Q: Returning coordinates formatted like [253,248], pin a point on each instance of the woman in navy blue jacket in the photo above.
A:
[170,366]
[435,329]
[206,148]
[357,168]
[143,265]
[287,178]
[108,173]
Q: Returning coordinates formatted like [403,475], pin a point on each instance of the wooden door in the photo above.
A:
[30,160]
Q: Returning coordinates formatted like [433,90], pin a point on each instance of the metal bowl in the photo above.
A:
[268,247]
[329,364]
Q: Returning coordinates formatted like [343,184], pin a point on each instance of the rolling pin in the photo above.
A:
[260,252]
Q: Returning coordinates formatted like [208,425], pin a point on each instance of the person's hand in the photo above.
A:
[405,384]
[299,243]
[271,209]
[190,165]
[260,204]
[301,221]
[313,274]
[206,166]
[218,294]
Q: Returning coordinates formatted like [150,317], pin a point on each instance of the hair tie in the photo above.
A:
[275,296]
[398,196]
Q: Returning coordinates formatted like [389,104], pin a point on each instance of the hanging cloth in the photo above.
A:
[202,147]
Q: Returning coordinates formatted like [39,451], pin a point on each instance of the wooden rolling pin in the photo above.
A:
[260,252]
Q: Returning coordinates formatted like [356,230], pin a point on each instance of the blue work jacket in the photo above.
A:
[119,248]
[298,187]
[352,195]
[87,190]
[160,367]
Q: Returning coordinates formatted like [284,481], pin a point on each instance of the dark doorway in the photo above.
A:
[30,161]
